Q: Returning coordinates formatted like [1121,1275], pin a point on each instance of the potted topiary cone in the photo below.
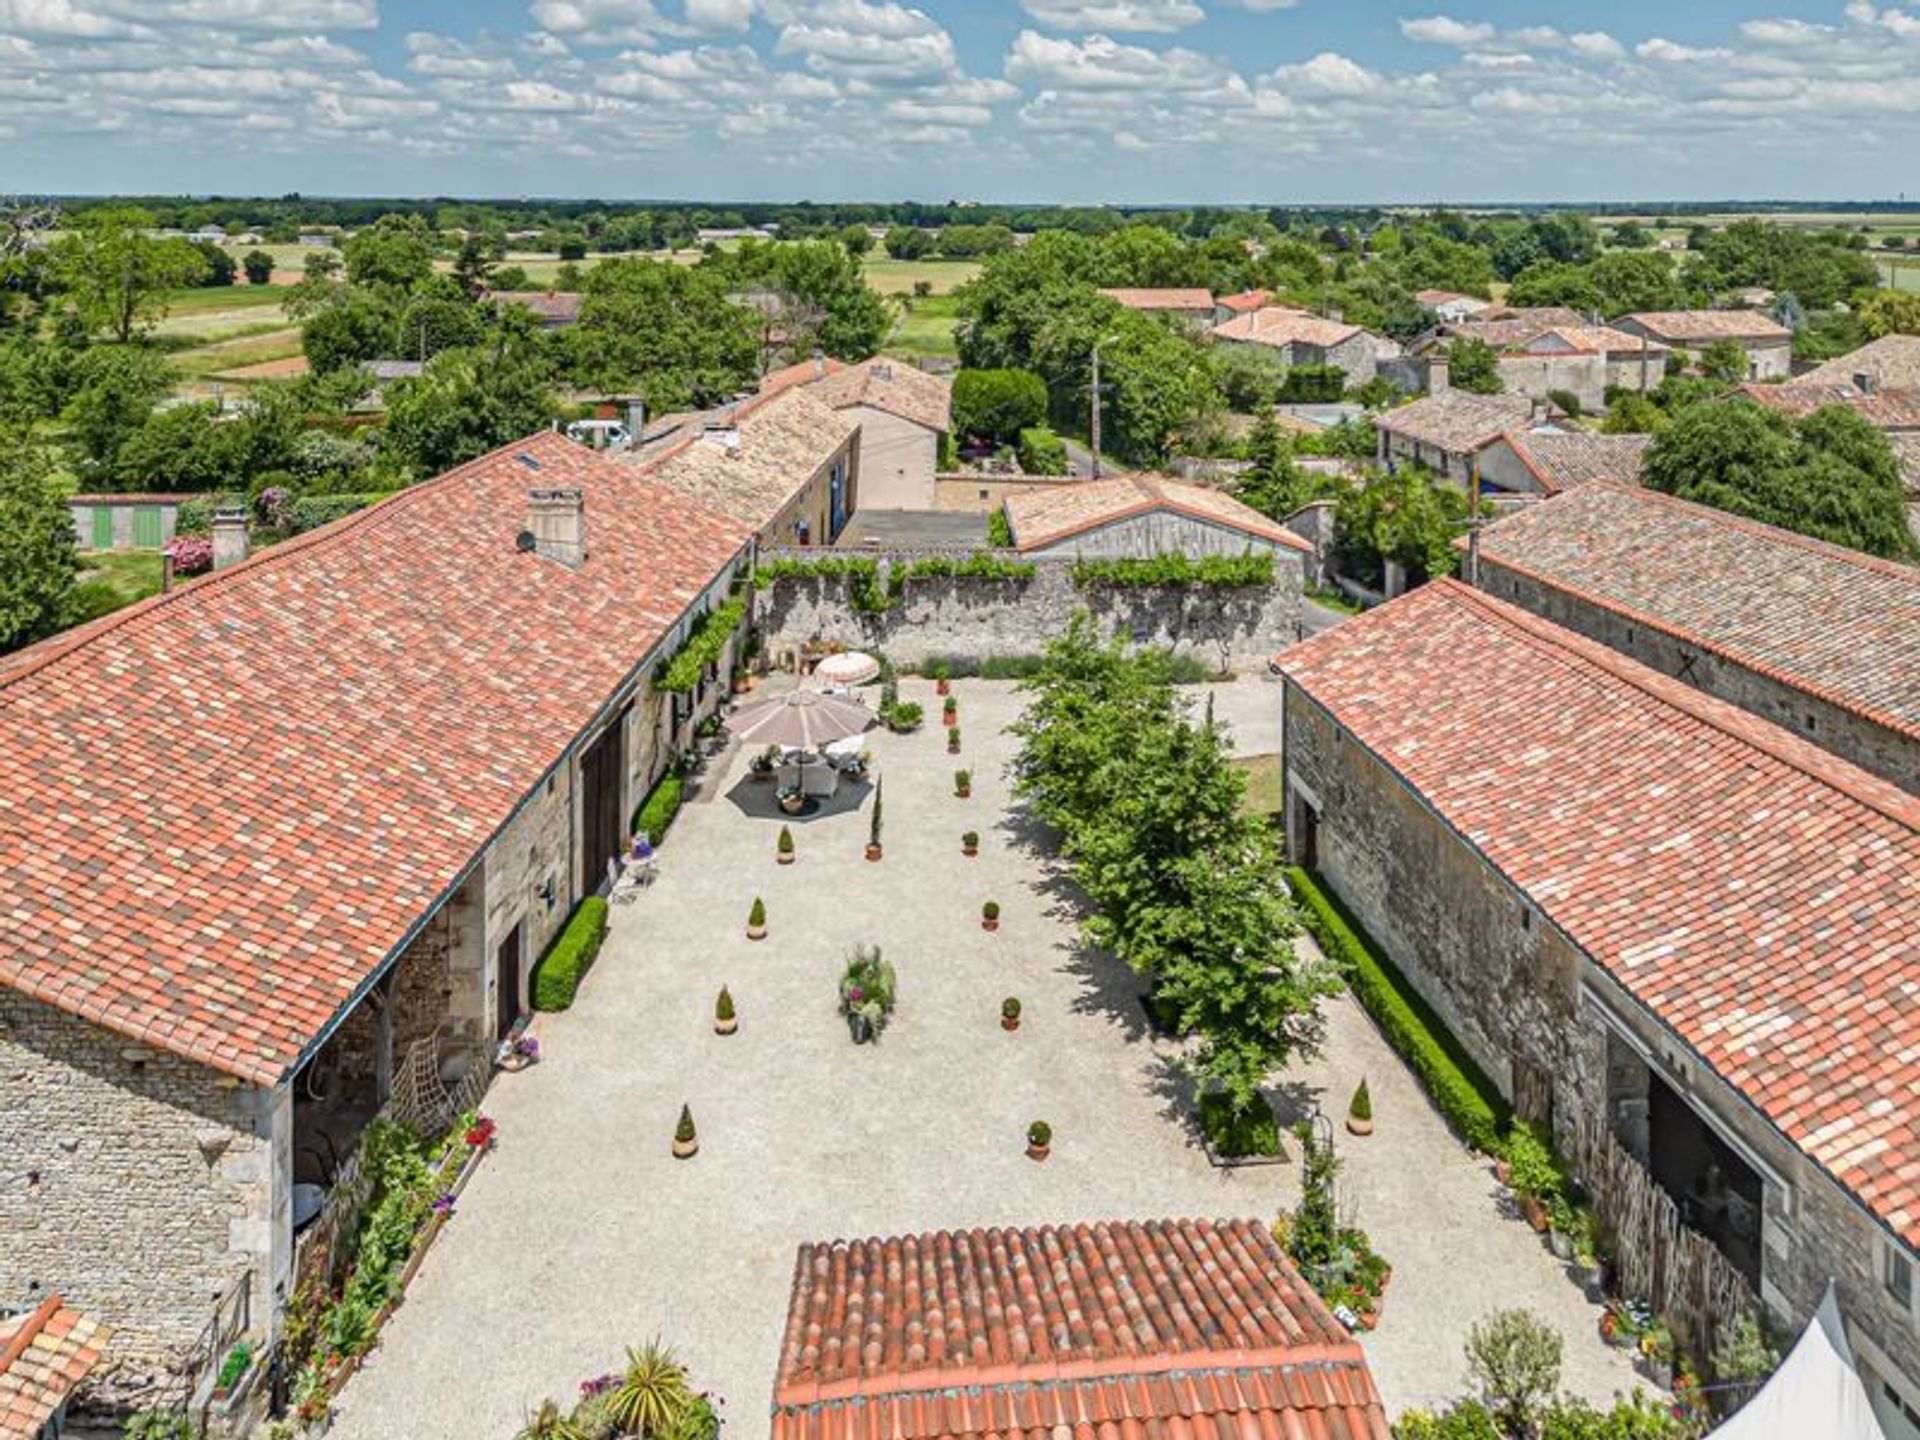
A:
[962,783]
[686,1143]
[990,915]
[950,712]
[1010,1013]
[1039,1140]
[873,825]
[757,920]
[725,1022]
[783,852]
[953,740]
[1360,1112]
[970,843]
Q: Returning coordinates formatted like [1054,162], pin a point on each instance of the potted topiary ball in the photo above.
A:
[725,1022]
[1360,1112]
[686,1144]
[962,783]
[757,920]
[1010,1013]
[950,712]
[953,740]
[1039,1140]
[783,851]
[970,843]
[990,915]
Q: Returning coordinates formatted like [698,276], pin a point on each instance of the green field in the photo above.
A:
[926,331]
[898,277]
[275,342]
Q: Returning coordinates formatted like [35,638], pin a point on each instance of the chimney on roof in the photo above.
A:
[557,521]
[1439,375]
[723,430]
[636,421]
[229,536]
[819,363]
[882,370]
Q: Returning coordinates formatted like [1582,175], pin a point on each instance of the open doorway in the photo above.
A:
[506,979]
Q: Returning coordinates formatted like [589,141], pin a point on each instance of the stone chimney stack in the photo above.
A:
[636,421]
[229,536]
[1439,375]
[557,520]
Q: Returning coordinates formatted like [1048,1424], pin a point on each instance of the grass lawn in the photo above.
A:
[1265,790]
[207,299]
[277,343]
[898,277]
[110,579]
[927,331]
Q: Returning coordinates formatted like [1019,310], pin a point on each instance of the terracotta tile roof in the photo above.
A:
[1279,327]
[1892,362]
[1447,297]
[43,1356]
[223,808]
[1040,518]
[558,307]
[1176,1330]
[1521,329]
[1891,409]
[1246,301]
[1164,299]
[1540,316]
[1703,327]
[1830,621]
[1591,340]
[1759,895]
[1455,420]
[783,440]
[893,386]
[801,372]
[1561,460]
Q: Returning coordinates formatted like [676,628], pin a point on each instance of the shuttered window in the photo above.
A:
[146,527]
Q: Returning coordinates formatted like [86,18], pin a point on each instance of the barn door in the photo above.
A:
[603,772]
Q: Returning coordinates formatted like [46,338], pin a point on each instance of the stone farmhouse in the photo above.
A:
[1546,462]
[1175,1329]
[1817,639]
[1190,307]
[1451,305]
[1664,926]
[742,459]
[1225,307]
[904,415]
[1543,351]
[1298,338]
[1689,333]
[1140,516]
[1446,432]
[283,830]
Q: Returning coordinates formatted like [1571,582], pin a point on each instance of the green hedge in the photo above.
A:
[570,956]
[706,642]
[1471,1103]
[1042,452]
[656,812]
[310,512]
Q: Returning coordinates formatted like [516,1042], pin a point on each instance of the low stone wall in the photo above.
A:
[978,619]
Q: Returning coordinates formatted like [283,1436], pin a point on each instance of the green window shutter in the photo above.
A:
[146,527]
[103,527]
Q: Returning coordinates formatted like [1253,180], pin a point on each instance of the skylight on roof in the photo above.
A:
[527,460]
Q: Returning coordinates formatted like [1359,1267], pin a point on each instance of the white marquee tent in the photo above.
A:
[1814,1392]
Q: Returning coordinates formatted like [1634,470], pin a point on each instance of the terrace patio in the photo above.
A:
[583,1235]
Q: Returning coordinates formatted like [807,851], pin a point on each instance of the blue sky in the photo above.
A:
[1225,101]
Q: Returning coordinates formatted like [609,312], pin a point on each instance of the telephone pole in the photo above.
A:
[1096,408]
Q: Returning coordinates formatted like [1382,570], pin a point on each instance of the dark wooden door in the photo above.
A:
[603,772]
[506,969]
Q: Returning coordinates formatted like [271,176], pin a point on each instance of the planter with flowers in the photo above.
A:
[517,1052]
[867,993]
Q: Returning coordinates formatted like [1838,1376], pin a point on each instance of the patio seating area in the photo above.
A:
[583,1234]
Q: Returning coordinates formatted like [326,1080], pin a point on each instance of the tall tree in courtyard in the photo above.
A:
[1474,367]
[466,403]
[117,273]
[37,563]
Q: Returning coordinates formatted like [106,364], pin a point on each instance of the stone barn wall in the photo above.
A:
[978,619]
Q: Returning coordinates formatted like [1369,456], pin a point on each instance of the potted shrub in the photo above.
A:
[942,678]
[686,1143]
[1360,1112]
[725,1022]
[1039,1140]
[990,915]
[742,682]
[905,717]
[1533,1173]
[950,712]
[1560,1227]
[970,843]
[963,783]
[764,763]
[783,850]
[233,1369]
[792,800]
[757,920]
[867,990]
[873,823]
[1010,1013]
[953,740]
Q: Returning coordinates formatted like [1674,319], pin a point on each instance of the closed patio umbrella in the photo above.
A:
[851,668]
[803,720]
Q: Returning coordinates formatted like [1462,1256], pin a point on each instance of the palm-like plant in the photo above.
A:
[653,1394]
[549,1422]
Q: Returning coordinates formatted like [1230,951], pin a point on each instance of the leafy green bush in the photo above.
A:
[1042,452]
[1011,667]
[1533,1169]
[571,955]
[1176,572]
[996,405]
[1469,1100]
[706,642]
[982,565]
[1313,385]
[1238,1133]
[310,512]
[656,812]
[999,530]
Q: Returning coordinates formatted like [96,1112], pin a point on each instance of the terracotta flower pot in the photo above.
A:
[989,925]
[1009,1022]
[873,852]
[686,1149]
[969,850]
[1535,1212]
[952,749]
[1038,1152]
[726,1027]
[756,932]
[1357,1126]
[963,792]
[942,687]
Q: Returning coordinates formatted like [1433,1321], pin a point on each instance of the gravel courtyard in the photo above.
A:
[582,1235]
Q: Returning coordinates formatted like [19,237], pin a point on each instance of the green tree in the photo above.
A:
[114,388]
[857,239]
[258,265]
[1249,377]
[1632,235]
[1473,366]
[360,326]
[825,301]
[1405,517]
[1274,485]
[37,561]
[1831,475]
[1724,361]
[1632,413]
[1553,282]
[466,403]
[1513,1360]
[996,405]
[665,331]
[1890,312]
[396,251]
[474,263]
[904,242]
[184,447]
[117,273]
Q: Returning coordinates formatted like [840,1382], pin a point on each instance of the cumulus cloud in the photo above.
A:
[1445,30]
[1102,63]
[1137,15]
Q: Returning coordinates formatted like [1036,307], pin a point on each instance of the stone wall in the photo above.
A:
[897,461]
[133,1182]
[976,619]
[1873,747]
[1163,532]
[1515,989]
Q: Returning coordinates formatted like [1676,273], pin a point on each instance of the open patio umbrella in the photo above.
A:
[851,668]
[803,720]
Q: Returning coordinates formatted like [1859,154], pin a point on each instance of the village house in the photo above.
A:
[551,309]
[1543,352]
[1225,307]
[1545,462]
[1679,936]
[783,463]
[1890,363]
[1451,306]
[1446,431]
[905,416]
[1298,338]
[125,522]
[1690,333]
[1190,307]
[280,834]
[1182,1327]
[1802,633]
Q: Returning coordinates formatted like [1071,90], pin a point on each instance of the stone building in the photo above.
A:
[1140,516]
[268,832]
[1189,307]
[1890,363]
[1447,431]
[904,415]
[1690,333]
[125,522]
[1544,462]
[1641,908]
[1815,638]
[1451,305]
[1297,338]
[1546,350]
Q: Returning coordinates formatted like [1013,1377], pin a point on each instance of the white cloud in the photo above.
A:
[1445,30]
[878,43]
[1151,15]
[1102,63]
[1598,44]
[1262,7]
[1328,74]
[62,18]
[253,14]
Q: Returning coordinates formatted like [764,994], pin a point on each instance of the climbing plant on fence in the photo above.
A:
[704,646]
[1175,572]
